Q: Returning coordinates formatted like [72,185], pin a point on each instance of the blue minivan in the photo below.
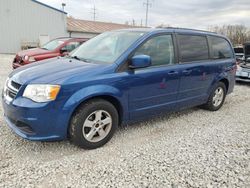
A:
[115,78]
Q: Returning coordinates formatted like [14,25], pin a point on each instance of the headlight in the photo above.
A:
[41,92]
[27,58]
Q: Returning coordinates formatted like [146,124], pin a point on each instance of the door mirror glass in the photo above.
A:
[140,61]
[63,50]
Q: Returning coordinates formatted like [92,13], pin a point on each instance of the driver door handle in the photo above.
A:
[173,73]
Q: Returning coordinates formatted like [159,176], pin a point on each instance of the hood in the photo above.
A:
[33,52]
[56,71]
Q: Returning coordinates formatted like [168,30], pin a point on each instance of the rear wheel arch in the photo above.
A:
[226,82]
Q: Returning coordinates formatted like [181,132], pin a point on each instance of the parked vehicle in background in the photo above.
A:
[247,51]
[54,48]
[118,77]
[239,53]
[243,68]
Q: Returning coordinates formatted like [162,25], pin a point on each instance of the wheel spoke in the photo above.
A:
[98,115]
[106,121]
[88,123]
[91,134]
[101,132]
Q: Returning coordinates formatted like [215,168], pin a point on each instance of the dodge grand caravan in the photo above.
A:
[118,77]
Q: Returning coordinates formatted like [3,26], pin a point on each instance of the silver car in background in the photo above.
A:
[243,67]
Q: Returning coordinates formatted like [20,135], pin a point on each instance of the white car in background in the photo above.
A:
[243,71]
[243,67]
[239,52]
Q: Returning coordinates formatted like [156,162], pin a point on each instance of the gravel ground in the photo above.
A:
[192,148]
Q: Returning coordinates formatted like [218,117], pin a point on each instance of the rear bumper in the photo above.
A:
[243,79]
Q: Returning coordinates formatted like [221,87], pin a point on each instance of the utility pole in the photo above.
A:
[133,22]
[147,4]
[94,13]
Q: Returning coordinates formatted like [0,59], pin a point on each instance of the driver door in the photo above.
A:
[154,89]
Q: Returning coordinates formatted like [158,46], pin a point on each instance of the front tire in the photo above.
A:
[217,97]
[93,124]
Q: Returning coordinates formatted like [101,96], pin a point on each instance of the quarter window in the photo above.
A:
[221,49]
[160,49]
[193,48]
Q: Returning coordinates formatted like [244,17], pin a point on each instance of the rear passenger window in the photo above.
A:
[160,49]
[221,49]
[193,48]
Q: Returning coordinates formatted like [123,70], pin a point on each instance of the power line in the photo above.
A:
[147,4]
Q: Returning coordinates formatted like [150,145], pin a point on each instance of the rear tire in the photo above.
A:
[217,97]
[93,124]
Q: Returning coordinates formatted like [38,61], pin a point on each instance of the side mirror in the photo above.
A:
[140,61]
[63,50]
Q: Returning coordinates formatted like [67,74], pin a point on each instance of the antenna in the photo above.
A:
[147,4]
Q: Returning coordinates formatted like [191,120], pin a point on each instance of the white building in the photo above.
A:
[29,22]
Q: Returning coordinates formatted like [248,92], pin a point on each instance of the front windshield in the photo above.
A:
[106,47]
[52,45]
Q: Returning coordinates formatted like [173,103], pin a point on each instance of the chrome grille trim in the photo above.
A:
[11,89]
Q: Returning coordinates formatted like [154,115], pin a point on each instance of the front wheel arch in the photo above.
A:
[108,98]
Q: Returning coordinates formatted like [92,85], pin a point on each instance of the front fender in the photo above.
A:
[94,91]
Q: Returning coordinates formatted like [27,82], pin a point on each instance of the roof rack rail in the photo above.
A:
[185,29]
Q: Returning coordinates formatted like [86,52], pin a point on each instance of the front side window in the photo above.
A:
[160,49]
[107,47]
[221,49]
[71,46]
[193,48]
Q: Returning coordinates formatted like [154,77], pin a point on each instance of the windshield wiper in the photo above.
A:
[44,48]
[80,59]
[75,57]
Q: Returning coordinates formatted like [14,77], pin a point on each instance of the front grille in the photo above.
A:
[18,59]
[16,85]
[11,89]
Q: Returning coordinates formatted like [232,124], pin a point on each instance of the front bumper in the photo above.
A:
[35,121]
[16,65]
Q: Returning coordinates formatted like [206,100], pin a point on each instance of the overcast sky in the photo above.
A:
[197,14]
